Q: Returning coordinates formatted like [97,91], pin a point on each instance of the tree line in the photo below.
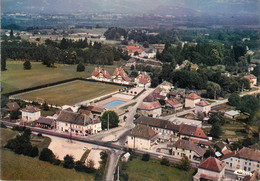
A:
[65,51]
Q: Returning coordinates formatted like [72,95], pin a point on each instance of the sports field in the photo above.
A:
[16,78]
[69,93]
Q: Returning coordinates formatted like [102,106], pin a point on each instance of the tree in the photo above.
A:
[209,153]
[216,130]
[11,33]
[111,117]
[146,157]
[15,114]
[216,118]
[234,99]
[47,155]
[27,65]
[184,164]
[68,162]
[45,106]
[146,44]
[79,166]
[34,151]
[165,162]
[132,67]
[80,67]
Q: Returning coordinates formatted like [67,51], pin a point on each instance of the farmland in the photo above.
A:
[69,93]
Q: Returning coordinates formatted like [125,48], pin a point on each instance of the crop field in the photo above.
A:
[16,78]
[69,93]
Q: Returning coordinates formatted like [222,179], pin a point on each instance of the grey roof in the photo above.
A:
[232,113]
[73,118]
[188,145]
[143,131]
[44,120]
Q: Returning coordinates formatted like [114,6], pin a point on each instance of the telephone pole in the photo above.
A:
[118,174]
[108,122]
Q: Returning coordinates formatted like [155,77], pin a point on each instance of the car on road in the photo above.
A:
[84,148]
[160,156]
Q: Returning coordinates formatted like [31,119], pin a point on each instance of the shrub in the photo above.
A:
[27,65]
[146,157]
[80,67]
[3,125]
[165,162]
[79,166]
[47,155]
[68,162]
[39,135]
[15,114]
[184,164]
[34,152]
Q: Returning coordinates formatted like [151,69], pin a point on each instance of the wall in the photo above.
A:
[138,143]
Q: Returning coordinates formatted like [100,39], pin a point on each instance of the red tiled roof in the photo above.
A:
[192,131]
[250,77]
[121,72]
[86,112]
[143,78]
[130,47]
[31,109]
[202,103]
[151,105]
[172,102]
[213,164]
[193,96]
[12,106]
[99,70]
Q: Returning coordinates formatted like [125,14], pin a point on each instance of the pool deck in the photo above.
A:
[102,103]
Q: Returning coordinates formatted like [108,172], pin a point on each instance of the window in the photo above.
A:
[190,151]
[66,124]
[257,165]
[132,137]
[238,166]
[190,157]
[230,164]
[245,168]
[227,163]
[173,153]
[245,163]
[238,161]
[249,168]
[249,163]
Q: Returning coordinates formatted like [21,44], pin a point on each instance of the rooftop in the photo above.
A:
[188,145]
[212,164]
[143,131]
[193,96]
[31,109]
[151,106]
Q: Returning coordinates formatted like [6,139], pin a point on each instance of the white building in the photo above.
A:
[143,80]
[252,79]
[231,114]
[141,137]
[202,107]
[186,148]
[30,113]
[191,100]
[246,159]
[100,75]
[210,169]
[120,76]
[79,124]
[151,108]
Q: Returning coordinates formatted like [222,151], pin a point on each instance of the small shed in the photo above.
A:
[231,114]
[125,157]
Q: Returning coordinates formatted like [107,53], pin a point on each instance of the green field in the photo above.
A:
[20,167]
[16,78]
[153,170]
[70,93]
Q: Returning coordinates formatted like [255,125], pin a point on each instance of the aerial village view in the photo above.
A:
[130,90]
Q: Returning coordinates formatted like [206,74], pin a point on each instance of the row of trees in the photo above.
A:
[66,51]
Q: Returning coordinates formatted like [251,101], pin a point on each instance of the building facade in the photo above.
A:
[30,113]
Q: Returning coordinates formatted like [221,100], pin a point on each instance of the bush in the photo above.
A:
[146,157]
[47,155]
[27,65]
[68,162]
[79,166]
[3,125]
[80,67]
[56,162]
[165,162]
[34,152]
[18,128]
[39,135]
[184,164]
[15,114]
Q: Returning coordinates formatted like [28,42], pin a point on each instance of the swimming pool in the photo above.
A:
[114,103]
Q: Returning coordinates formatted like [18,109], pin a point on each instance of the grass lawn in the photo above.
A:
[20,167]
[153,170]
[70,93]
[16,78]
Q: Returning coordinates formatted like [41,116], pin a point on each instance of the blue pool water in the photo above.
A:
[114,103]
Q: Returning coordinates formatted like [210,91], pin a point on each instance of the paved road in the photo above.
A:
[112,163]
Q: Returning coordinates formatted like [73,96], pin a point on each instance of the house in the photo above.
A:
[45,122]
[86,112]
[231,114]
[100,75]
[222,148]
[252,79]
[30,113]
[176,93]
[166,85]
[143,80]
[194,67]
[251,67]
[151,108]
[252,177]
[132,50]
[148,53]
[131,62]
[186,148]
[210,169]
[96,111]
[11,106]
[70,108]
[77,123]
[191,100]
[119,76]
[141,137]
[202,107]
[167,127]
[246,159]
[173,104]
